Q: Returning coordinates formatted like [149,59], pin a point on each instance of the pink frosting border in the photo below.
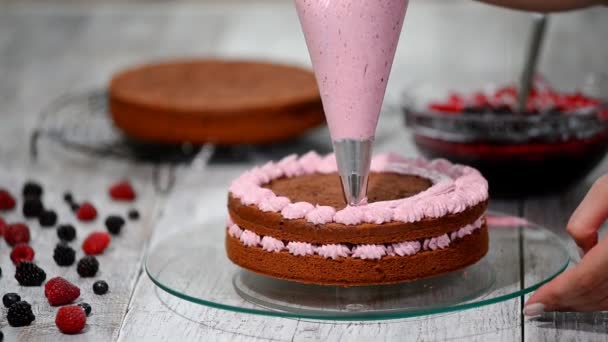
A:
[455,188]
[363,251]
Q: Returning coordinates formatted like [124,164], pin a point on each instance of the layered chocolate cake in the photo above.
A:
[288,220]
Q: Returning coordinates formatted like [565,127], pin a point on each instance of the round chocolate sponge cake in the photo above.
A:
[422,218]
[215,101]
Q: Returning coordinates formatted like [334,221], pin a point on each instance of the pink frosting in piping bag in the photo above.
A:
[352,44]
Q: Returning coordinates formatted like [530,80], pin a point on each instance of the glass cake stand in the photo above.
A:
[192,265]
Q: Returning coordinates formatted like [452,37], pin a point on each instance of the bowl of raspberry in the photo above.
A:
[552,144]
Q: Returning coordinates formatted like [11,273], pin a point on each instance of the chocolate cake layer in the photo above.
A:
[215,101]
[326,190]
[348,271]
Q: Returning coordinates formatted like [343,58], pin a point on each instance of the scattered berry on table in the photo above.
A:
[59,291]
[74,207]
[133,214]
[96,243]
[2,226]
[7,201]
[86,307]
[0,271]
[122,191]
[48,218]
[32,190]
[114,224]
[68,197]
[22,252]
[10,299]
[87,266]
[29,274]
[70,319]
[66,232]
[100,287]
[20,314]
[32,207]
[1,336]
[86,212]
[16,233]
[64,255]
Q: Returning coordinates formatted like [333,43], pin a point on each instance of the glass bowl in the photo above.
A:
[519,153]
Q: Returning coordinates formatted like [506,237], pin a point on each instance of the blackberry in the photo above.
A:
[32,207]
[114,224]
[32,190]
[1,336]
[64,255]
[68,198]
[87,266]
[10,299]
[66,232]
[20,314]
[0,271]
[133,214]
[47,218]
[100,287]
[74,207]
[86,307]
[28,274]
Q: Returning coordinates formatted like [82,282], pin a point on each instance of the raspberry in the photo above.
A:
[86,307]
[28,274]
[47,218]
[22,252]
[114,224]
[16,233]
[32,190]
[100,287]
[96,243]
[86,212]
[66,232]
[2,226]
[133,214]
[10,299]
[32,207]
[122,191]
[59,291]
[20,314]
[71,319]
[64,255]
[7,201]
[87,266]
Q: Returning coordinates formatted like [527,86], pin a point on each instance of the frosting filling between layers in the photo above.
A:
[363,251]
[454,189]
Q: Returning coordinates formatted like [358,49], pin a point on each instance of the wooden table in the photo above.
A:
[47,50]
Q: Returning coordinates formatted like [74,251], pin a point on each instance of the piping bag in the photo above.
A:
[352,45]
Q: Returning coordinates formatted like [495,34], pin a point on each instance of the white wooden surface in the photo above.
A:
[47,50]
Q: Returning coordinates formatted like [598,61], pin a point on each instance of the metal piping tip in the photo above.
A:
[354,158]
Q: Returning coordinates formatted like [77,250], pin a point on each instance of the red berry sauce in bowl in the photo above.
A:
[554,143]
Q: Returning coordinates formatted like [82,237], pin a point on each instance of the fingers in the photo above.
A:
[581,288]
[590,214]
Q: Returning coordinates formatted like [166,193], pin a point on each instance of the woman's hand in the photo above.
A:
[585,286]
[546,5]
